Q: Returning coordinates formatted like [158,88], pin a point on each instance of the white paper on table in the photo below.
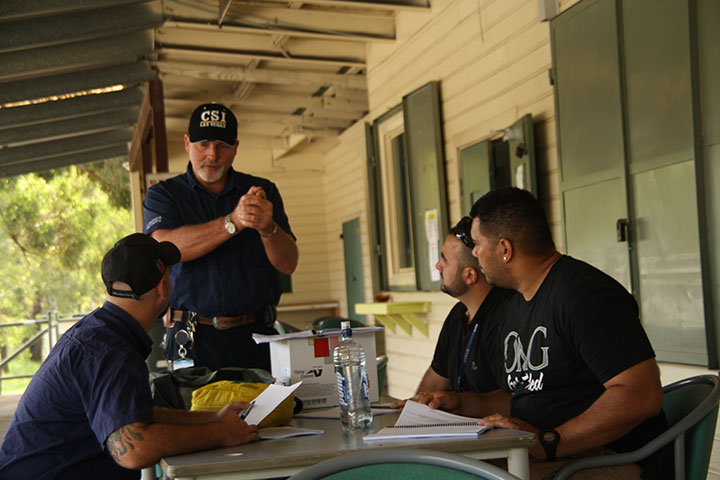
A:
[266,402]
[287,431]
[415,413]
[419,421]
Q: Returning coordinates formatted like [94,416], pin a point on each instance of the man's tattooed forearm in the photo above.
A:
[123,439]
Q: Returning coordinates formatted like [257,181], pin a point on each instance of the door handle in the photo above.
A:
[622,227]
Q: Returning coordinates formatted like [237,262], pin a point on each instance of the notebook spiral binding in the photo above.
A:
[428,425]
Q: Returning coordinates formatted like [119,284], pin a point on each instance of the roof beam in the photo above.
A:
[321,106]
[66,146]
[155,92]
[276,77]
[142,130]
[230,57]
[74,57]
[10,137]
[67,110]
[304,121]
[250,42]
[412,5]
[95,155]
[71,83]
[78,27]
[314,23]
[12,10]
[256,30]
[179,125]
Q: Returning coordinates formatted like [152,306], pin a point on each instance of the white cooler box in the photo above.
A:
[308,356]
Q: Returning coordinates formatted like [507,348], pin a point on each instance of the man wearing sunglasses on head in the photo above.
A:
[466,343]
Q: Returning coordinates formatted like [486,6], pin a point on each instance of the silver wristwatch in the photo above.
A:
[230,226]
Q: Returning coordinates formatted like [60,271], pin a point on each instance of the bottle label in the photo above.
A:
[343,394]
[365,387]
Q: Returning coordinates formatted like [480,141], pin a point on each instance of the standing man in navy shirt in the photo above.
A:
[88,413]
[235,240]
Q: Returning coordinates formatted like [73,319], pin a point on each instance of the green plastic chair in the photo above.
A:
[403,465]
[691,408]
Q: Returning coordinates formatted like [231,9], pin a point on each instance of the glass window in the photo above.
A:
[397,215]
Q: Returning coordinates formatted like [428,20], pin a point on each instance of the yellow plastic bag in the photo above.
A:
[214,396]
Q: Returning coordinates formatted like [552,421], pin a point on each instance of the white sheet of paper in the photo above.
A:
[266,402]
[415,413]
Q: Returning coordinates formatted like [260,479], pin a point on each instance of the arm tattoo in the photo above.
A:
[123,439]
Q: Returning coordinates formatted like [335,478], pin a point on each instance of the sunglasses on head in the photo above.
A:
[462,232]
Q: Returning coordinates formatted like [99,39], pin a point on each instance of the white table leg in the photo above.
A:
[148,473]
[519,463]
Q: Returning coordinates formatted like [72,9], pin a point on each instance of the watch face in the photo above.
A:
[230,227]
[549,437]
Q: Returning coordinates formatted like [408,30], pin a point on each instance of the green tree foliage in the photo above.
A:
[55,228]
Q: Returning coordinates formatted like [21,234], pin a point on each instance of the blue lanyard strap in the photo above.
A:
[461,373]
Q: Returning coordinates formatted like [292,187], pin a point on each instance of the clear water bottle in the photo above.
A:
[349,360]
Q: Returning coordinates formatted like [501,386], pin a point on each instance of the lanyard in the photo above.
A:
[461,373]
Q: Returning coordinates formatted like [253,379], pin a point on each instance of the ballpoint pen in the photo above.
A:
[243,415]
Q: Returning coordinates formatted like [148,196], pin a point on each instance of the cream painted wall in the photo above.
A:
[346,189]
[492,59]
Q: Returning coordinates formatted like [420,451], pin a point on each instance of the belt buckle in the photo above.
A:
[216,324]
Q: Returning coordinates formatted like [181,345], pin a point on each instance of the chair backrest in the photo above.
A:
[402,465]
[694,401]
[691,407]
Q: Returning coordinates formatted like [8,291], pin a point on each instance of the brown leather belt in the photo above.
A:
[220,322]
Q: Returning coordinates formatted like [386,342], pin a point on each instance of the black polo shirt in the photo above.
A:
[484,357]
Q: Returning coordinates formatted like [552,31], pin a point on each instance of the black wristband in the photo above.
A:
[549,440]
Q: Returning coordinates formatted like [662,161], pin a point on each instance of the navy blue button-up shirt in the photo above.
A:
[237,277]
[94,381]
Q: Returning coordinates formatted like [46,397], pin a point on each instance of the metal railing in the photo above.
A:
[50,325]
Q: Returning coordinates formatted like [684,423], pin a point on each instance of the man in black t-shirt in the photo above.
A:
[579,366]
[468,339]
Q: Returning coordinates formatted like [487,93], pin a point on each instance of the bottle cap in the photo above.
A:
[344,324]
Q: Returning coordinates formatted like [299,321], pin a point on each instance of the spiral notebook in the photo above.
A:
[420,421]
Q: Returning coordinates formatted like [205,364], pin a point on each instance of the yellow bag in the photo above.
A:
[214,396]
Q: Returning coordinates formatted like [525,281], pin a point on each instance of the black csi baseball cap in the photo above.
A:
[213,121]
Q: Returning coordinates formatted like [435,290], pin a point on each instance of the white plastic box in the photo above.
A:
[308,356]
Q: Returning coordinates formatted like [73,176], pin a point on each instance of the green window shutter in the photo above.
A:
[375,197]
[476,178]
[426,162]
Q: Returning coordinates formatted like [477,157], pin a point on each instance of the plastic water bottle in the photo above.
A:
[349,360]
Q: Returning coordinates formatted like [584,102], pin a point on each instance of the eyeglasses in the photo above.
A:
[462,232]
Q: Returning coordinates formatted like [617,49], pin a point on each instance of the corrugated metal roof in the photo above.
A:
[73,73]
[70,72]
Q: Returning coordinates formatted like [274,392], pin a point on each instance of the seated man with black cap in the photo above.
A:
[88,413]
